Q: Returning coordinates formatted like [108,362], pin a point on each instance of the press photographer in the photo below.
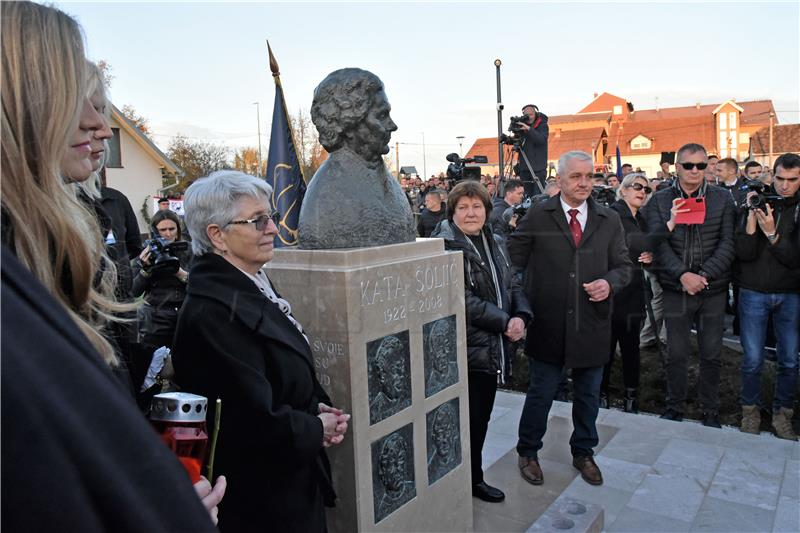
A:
[160,274]
[768,274]
[531,132]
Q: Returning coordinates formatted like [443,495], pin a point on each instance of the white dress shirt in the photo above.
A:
[583,212]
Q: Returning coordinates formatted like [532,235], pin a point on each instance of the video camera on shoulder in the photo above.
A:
[765,195]
[163,258]
[458,170]
[604,194]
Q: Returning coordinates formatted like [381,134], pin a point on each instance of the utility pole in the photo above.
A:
[258,119]
[397,158]
[460,140]
[771,120]
[424,162]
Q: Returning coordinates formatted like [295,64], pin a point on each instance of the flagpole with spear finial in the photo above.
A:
[276,75]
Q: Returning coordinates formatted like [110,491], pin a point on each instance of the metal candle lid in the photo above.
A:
[178,407]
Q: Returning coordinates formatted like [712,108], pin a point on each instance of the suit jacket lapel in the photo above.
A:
[554,206]
[592,221]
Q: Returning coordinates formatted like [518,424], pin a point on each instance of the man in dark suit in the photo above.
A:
[574,257]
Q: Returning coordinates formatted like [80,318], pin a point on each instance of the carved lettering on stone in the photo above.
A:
[389,387]
[393,471]
[443,440]
[439,347]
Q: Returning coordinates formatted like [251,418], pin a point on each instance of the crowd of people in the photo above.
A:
[591,262]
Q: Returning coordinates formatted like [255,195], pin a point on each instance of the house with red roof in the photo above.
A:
[643,136]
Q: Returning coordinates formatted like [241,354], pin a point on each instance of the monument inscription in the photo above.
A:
[443,440]
[439,349]
[389,388]
[393,471]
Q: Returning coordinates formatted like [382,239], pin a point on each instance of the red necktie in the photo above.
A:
[575,226]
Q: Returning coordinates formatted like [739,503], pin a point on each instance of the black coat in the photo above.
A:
[234,344]
[535,147]
[567,328]
[486,320]
[127,241]
[706,247]
[77,454]
[629,302]
[428,221]
[771,268]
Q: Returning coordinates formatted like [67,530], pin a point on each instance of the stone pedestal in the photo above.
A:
[387,329]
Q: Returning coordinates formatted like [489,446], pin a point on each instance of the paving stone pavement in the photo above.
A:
[659,476]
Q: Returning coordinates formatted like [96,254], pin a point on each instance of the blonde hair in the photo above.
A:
[94,82]
[57,238]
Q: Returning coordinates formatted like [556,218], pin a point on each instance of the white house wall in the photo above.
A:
[139,177]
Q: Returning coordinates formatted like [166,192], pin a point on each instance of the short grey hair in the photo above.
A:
[215,200]
[628,180]
[564,160]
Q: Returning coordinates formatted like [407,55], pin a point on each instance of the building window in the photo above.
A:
[640,143]
[732,119]
[617,109]
[723,139]
[723,153]
[722,121]
[744,138]
[114,155]
[732,141]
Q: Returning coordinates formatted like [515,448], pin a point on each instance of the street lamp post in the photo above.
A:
[424,161]
[460,140]
[258,119]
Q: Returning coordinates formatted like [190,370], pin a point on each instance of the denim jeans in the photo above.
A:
[755,309]
[544,380]
[707,313]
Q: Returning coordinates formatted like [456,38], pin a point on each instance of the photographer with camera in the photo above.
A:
[768,274]
[513,193]
[534,132]
[160,275]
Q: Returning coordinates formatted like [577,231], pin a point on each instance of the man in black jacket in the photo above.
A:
[769,276]
[535,133]
[513,192]
[433,213]
[693,263]
[573,253]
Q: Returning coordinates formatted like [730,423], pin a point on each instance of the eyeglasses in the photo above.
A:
[690,166]
[261,221]
[639,187]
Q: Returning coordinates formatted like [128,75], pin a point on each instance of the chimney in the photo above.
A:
[558,132]
[697,105]
[595,95]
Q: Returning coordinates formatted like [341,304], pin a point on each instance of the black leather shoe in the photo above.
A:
[711,420]
[487,493]
[672,414]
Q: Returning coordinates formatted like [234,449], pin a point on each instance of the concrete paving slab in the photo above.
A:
[636,521]
[514,400]
[636,446]
[499,411]
[787,516]
[524,502]
[610,499]
[567,514]
[691,454]
[791,480]
[496,446]
[670,496]
[622,475]
[749,478]
[507,424]
[723,516]
[701,477]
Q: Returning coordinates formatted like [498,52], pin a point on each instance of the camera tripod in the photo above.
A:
[517,148]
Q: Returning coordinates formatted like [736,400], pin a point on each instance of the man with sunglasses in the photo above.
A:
[693,265]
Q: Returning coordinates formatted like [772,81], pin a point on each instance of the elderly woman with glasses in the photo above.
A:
[629,302]
[237,340]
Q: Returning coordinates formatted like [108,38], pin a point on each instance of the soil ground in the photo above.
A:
[652,390]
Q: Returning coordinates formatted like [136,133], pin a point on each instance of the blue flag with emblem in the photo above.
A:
[283,168]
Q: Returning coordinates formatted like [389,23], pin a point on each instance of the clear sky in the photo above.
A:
[196,68]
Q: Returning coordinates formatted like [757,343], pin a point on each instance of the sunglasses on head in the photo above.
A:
[261,221]
[639,187]
[690,166]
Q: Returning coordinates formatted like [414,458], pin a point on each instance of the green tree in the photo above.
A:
[196,158]
[138,120]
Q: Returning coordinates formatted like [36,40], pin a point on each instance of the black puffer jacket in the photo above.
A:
[705,249]
[486,320]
